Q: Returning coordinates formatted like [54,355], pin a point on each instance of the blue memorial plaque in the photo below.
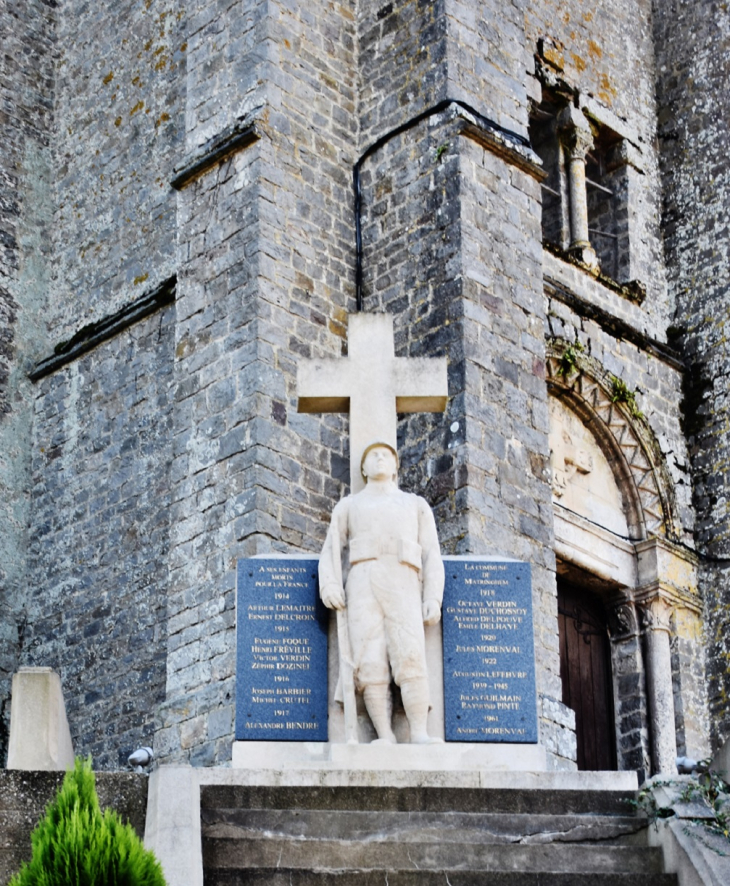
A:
[281,677]
[489,659]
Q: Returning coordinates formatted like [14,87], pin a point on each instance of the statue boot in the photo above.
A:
[379,704]
[415,697]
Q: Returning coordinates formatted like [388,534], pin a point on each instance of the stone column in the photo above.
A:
[577,139]
[632,740]
[656,614]
[625,174]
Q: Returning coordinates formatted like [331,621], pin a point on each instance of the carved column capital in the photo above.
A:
[656,614]
[575,133]
[622,621]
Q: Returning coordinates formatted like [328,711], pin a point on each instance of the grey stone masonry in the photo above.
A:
[401,60]
[177,233]
[119,102]
[692,44]
[266,258]
[451,246]
[26,116]
[606,53]
[100,529]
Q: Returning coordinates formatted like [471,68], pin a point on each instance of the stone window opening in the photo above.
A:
[546,144]
[585,194]
[603,202]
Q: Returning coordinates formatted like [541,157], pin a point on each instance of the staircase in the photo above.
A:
[416,836]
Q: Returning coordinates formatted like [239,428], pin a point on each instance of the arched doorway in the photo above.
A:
[622,568]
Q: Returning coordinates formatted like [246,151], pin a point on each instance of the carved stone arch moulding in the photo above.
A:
[626,439]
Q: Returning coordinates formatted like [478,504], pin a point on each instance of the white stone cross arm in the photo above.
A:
[372,384]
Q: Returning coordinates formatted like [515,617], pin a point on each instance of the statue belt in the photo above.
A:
[372,547]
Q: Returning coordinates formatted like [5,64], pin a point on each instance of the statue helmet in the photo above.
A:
[371,445]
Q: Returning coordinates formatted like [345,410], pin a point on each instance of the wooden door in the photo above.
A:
[585,671]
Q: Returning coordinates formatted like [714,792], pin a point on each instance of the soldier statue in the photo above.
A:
[394,585]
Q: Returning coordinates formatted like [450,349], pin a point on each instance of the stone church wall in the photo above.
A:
[693,41]
[171,450]
[97,608]
[657,377]
[119,109]
[265,252]
[606,51]
[26,103]
[451,247]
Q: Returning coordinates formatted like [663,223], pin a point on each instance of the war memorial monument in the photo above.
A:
[243,241]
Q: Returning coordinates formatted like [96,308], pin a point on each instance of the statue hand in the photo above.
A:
[431,612]
[333,597]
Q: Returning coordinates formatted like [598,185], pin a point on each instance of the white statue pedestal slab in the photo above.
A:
[327,756]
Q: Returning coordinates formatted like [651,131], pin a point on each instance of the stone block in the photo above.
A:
[39,734]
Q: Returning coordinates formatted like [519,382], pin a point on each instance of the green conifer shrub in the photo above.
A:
[76,845]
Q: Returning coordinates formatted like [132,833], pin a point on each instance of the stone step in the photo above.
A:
[389,855]
[477,827]
[418,799]
[348,835]
[278,876]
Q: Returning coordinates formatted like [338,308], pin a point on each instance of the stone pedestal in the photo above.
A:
[173,827]
[39,733]
[329,756]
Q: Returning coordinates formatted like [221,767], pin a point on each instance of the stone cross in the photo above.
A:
[372,384]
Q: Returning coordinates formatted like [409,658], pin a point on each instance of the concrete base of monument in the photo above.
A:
[173,826]
[451,757]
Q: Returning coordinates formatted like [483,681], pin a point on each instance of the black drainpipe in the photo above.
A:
[376,145]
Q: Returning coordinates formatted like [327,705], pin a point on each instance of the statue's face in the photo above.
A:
[379,464]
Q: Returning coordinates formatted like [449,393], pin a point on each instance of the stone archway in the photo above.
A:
[616,528]
[625,438]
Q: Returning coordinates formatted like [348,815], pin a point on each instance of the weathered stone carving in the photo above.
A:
[649,491]
[656,615]
[622,621]
[567,460]
[394,585]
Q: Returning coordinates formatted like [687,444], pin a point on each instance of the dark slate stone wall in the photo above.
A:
[119,109]
[100,537]
[26,100]
[411,241]
[693,47]
[402,62]
[265,250]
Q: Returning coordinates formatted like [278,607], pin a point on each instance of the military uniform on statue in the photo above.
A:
[394,586]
